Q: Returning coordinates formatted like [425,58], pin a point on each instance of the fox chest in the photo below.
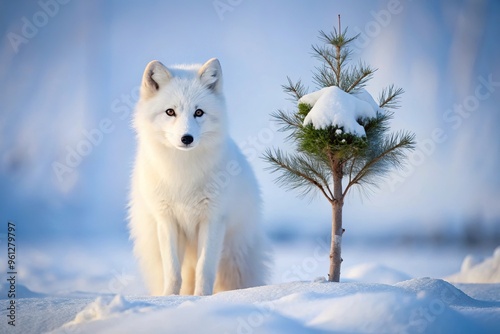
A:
[186,206]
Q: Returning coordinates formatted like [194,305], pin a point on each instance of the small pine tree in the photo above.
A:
[326,156]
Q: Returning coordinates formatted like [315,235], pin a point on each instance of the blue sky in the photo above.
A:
[75,74]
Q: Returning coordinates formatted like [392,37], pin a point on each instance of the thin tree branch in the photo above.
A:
[280,164]
[331,161]
[366,168]
[296,90]
[325,55]
[321,177]
[391,100]
[351,168]
[365,73]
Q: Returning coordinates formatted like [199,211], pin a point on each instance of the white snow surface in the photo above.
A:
[371,298]
[331,106]
[422,305]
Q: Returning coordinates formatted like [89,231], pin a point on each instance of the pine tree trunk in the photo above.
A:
[336,246]
[337,230]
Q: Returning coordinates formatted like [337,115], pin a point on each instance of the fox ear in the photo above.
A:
[155,75]
[210,75]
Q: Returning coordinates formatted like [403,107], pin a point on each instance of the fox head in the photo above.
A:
[182,106]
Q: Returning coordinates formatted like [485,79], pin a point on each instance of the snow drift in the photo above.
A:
[422,305]
[395,304]
[477,270]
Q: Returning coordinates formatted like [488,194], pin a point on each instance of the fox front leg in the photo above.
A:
[171,245]
[210,240]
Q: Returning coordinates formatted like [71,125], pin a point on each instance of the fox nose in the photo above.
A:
[187,139]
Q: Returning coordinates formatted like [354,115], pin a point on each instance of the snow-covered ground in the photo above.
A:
[98,290]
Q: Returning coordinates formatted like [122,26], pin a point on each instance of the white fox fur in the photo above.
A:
[194,203]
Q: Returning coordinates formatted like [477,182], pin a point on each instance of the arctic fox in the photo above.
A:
[194,203]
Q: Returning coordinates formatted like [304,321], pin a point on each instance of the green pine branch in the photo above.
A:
[288,121]
[297,168]
[390,96]
[295,90]
[324,77]
[390,153]
[357,77]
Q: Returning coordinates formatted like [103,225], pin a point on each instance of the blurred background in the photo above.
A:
[69,76]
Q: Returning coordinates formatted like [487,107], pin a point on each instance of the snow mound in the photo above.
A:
[331,106]
[374,273]
[105,307]
[385,312]
[415,306]
[475,270]
[436,288]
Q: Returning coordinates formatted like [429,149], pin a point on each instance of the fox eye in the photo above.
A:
[170,112]
[198,113]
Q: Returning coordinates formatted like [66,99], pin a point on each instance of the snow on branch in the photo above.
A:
[331,106]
